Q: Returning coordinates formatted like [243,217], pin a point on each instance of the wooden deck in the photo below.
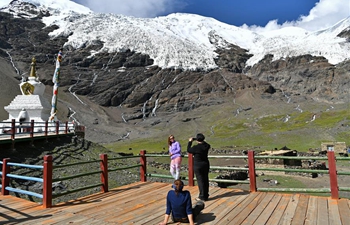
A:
[144,203]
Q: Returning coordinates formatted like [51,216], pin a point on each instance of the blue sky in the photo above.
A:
[250,12]
[273,14]
[257,15]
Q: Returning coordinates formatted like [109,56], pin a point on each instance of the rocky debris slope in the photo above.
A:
[67,150]
[108,90]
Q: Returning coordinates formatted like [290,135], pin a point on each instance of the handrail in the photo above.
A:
[25,178]
[24,192]
[125,167]
[77,190]
[25,165]
[48,171]
[47,180]
[334,189]
[298,190]
[191,177]
[76,176]
[159,175]
[252,158]
[291,157]
[292,170]
[125,157]
[21,131]
[75,164]
[228,168]
[6,181]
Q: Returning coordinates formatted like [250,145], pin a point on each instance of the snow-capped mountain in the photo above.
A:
[183,40]
[120,71]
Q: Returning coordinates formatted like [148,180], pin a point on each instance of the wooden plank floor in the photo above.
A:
[144,203]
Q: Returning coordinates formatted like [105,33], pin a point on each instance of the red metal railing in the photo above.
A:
[333,175]
[334,189]
[48,174]
[30,127]
[17,131]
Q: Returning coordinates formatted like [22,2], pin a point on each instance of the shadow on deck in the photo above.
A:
[144,203]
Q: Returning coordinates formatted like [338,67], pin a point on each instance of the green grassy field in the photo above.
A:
[224,130]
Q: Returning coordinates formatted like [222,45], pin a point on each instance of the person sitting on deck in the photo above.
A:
[179,204]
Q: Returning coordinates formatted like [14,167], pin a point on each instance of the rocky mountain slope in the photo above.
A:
[122,95]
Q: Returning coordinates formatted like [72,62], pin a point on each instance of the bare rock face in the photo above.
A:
[345,34]
[305,75]
[129,79]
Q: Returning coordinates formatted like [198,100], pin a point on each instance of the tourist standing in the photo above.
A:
[175,156]
[201,164]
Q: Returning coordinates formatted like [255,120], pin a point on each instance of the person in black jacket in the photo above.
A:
[201,164]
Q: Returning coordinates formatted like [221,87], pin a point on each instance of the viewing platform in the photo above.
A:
[144,203]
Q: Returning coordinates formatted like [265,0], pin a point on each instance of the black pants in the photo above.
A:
[197,208]
[201,169]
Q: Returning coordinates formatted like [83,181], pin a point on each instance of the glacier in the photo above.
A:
[182,40]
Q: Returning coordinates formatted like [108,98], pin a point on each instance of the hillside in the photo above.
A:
[127,99]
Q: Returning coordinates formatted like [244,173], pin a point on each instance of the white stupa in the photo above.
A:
[31,105]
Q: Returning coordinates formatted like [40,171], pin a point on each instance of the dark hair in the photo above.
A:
[178,185]
[169,139]
[200,137]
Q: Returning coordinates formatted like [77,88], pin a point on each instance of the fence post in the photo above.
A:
[13,129]
[252,176]
[5,180]
[190,170]
[333,175]
[47,185]
[66,131]
[104,174]
[143,168]
[32,128]
[46,128]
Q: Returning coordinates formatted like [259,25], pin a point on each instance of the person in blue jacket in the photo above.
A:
[179,205]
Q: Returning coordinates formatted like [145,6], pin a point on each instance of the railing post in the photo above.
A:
[46,128]
[190,170]
[143,168]
[66,131]
[333,175]
[5,180]
[252,176]
[47,185]
[104,174]
[13,129]
[57,127]
[32,129]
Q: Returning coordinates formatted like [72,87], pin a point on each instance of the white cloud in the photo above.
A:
[136,8]
[4,2]
[325,14]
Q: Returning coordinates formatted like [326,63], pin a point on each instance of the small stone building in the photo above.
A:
[337,147]
[287,162]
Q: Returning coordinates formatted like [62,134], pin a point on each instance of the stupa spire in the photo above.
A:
[33,68]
